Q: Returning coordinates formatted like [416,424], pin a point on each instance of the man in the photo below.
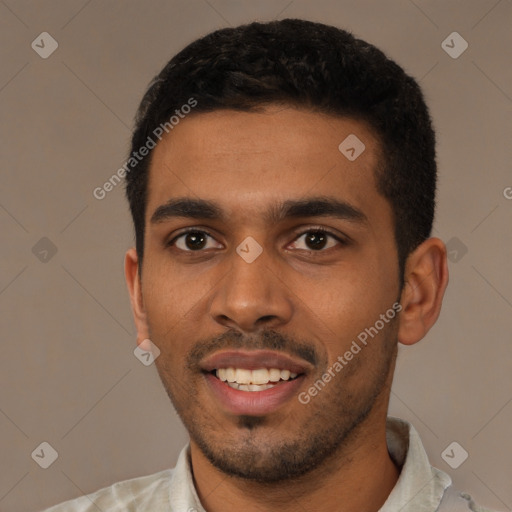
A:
[282,186]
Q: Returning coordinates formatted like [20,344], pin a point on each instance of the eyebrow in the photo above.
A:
[318,206]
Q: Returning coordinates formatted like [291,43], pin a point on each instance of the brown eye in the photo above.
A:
[195,240]
[317,240]
[191,241]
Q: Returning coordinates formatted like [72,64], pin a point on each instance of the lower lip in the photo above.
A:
[253,403]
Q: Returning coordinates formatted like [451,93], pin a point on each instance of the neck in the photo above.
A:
[359,476]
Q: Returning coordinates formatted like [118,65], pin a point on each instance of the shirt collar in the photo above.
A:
[420,487]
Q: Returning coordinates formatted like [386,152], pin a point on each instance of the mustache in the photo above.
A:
[265,340]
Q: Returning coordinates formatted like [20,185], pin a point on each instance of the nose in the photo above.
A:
[252,296]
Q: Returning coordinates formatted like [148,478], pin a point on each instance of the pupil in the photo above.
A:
[316,239]
[195,240]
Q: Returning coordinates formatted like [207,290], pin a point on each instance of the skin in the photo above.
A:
[331,453]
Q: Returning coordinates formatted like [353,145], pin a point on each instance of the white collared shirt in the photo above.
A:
[420,487]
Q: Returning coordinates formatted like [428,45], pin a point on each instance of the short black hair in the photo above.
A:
[308,65]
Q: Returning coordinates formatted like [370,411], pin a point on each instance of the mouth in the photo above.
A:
[260,379]
[254,382]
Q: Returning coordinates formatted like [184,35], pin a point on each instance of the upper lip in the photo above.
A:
[254,359]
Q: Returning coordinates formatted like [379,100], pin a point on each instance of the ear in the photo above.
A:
[133,281]
[426,278]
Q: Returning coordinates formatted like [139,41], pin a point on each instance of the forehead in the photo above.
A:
[246,161]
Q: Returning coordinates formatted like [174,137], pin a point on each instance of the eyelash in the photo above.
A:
[314,229]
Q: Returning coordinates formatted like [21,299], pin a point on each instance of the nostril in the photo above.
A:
[266,319]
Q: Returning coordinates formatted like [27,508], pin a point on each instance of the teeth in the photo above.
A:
[274,374]
[250,387]
[259,377]
[243,376]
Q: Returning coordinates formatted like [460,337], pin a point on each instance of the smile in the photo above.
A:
[253,380]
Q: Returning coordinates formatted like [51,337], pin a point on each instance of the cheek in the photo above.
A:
[170,292]
[351,300]
[165,308]
[175,303]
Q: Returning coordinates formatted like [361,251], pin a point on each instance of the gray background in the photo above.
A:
[68,375]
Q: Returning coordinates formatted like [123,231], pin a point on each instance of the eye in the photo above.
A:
[317,239]
[192,241]
[314,239]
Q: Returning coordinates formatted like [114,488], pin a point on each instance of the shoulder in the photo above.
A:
[474,507]
[455,501]
[127,495]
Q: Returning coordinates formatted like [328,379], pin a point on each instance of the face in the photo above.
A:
[269,278]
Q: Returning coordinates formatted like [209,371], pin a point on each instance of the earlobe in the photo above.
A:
[133,282]
[426,278]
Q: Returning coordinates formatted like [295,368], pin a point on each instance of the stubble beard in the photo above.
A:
[328,430]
